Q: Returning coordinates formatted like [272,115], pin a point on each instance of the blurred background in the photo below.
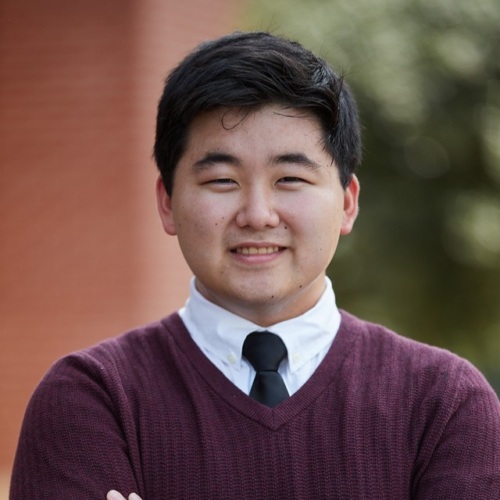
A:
[82,254]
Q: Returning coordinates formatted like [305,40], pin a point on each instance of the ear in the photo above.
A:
[164,202]
[351,206]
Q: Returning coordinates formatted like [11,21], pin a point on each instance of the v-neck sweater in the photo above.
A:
[383,417]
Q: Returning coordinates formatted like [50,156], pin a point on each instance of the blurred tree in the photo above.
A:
[424,258]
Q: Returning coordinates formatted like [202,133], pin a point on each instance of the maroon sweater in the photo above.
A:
[382,417]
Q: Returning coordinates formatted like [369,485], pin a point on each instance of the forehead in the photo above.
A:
[257,123]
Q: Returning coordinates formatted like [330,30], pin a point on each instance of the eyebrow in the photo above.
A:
[213,157]
[297,159]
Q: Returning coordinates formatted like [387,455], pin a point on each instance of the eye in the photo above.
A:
[222,181]
[221,184]
[291,180]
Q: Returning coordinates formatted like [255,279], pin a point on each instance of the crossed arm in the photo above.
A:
[73,444]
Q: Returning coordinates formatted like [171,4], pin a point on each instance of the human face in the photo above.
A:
[258,209]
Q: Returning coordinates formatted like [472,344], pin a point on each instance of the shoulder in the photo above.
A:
[412,366]
[444,406]
[117,362]
[383,345]
[91,401]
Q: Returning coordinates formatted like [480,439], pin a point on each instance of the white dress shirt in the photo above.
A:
[220,335]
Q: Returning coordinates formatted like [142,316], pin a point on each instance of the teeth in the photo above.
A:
[257,250]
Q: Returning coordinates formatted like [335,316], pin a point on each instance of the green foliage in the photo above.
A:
[425,256]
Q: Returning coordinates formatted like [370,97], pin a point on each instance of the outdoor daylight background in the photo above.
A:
[82,254]
[424,257]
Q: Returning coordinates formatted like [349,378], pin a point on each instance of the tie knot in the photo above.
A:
[264,351]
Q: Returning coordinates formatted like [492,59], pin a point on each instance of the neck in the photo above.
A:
[266,312]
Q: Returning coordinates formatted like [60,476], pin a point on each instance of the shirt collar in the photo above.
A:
[221,333]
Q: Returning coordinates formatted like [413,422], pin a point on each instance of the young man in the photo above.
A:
[257,142]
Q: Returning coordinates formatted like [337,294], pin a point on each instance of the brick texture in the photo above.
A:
[82,253]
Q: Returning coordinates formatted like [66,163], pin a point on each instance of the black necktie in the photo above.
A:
[265,351]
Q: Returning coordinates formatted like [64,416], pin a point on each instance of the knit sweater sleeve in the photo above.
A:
[77,439]
[460,451]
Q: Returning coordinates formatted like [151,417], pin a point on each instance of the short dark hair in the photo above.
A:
[249,70]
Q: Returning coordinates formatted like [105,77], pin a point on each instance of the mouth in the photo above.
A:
[250,250]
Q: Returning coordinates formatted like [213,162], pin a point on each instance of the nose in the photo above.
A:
[257,209]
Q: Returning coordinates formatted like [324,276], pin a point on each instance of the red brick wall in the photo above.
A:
[82,254]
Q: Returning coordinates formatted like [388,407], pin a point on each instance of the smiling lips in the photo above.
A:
[257,250]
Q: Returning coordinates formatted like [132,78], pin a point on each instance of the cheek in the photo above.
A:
[321,220]
[198,224]
[324,246]
[323,230]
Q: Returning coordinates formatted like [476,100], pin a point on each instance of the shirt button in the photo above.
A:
[296,357]
[231,359]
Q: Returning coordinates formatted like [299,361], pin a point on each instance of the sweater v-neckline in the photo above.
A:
[272,418]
